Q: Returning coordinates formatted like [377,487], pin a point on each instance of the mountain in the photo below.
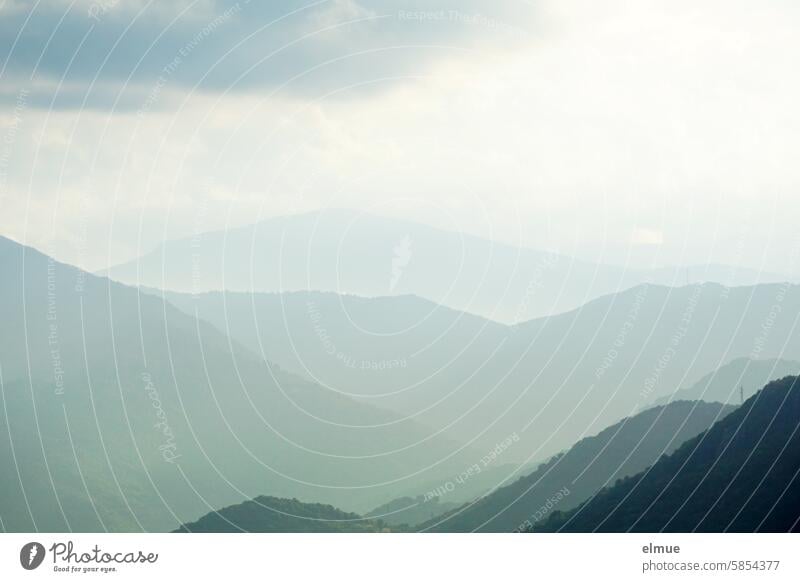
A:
[433,498]
[568,479]
[371,347]
[411,511]
[724,384]
[349,252]
[275,515]
[549,381]
[739,476]
[121,412]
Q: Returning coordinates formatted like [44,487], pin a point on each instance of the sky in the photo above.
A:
[629,132]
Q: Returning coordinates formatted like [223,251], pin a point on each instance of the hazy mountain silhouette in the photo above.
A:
[365,346]
[121,412]
[272,514]
[620,450]
[411,511]
[739,476]
[95,373]
[432,498]
[350,252]
[570,478]
[723,384]
[551,381]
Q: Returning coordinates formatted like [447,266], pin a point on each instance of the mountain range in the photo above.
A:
[736,380]
[551,381]
[736,471]
[349,252]
[266,514]
[741,475]
[123,413]
[134,408]
[568,479]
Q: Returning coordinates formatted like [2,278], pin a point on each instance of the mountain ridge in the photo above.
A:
[133,414]
[373,256]
[739,475]
[589,465]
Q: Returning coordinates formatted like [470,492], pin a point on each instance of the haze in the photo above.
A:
[632,133]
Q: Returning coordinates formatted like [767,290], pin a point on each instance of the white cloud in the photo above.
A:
[337,12]
[647,236]
[676,116]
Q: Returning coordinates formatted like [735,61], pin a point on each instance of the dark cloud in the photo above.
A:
[300,47]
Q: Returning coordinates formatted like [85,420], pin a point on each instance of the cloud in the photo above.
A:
[647,236]
[677,118]
[227,45]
